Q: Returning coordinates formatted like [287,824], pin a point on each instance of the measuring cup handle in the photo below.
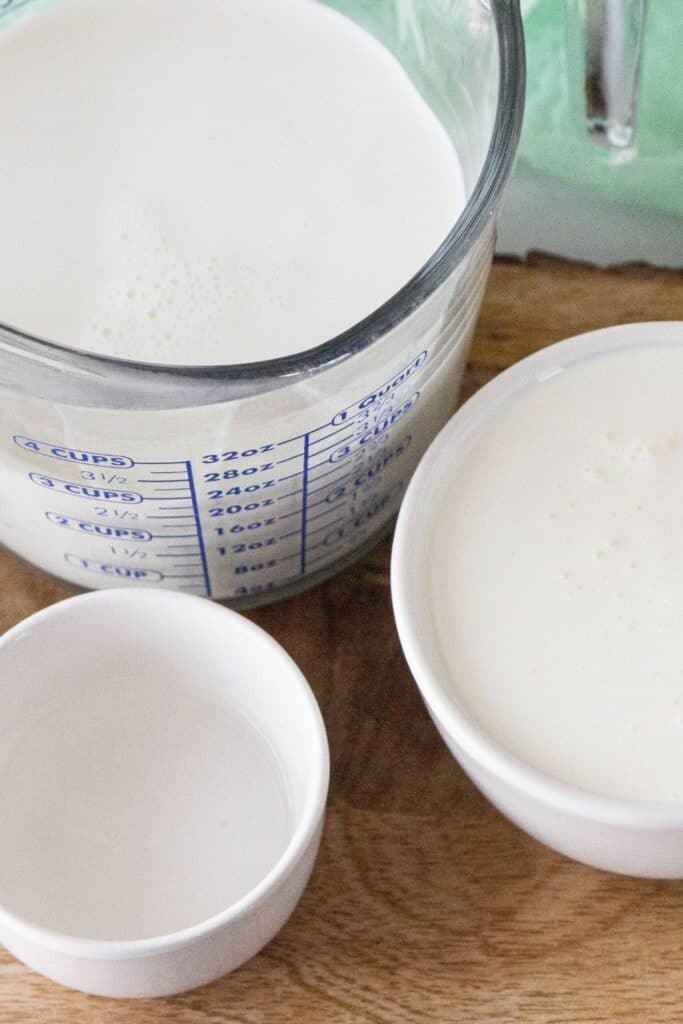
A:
[605,45]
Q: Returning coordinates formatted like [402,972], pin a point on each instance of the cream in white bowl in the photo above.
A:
[538,587]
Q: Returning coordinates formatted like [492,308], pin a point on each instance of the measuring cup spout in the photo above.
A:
[605,45]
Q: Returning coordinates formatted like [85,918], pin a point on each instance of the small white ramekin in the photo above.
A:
[264,685]
[630,837]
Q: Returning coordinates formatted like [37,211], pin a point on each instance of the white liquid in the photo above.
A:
[558,576]
[211,182]
[138,808]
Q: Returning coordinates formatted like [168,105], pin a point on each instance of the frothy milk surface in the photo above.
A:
[557,576]
[215,182]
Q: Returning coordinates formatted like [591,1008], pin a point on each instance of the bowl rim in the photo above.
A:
[463,731]
[307,822]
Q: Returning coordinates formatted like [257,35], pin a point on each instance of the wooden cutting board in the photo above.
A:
[426,905]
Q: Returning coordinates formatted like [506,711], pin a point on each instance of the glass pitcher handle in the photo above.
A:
[605,46]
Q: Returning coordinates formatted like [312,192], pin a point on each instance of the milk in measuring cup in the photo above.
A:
[557,573]
[210,183]
[218,183]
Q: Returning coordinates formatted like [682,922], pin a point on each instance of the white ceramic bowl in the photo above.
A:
[630,837]
[77,647]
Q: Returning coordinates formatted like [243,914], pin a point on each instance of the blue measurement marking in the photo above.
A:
[288,558]
[281,462]
[287,579]
[272,584]
[160,462]
[173,536]
[326,426]
[200,535]
[333,433]
[317,504]
[337,444]
[304,503]
[171,517]
[297,512]
[331,483]
[337,505]
[334,447]
[324,543]
[329,472]
[172,502]
[327,526]
[337,462]
[189,554]
[321,558]
[174,497]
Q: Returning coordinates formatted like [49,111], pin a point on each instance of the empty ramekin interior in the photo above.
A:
[185,676]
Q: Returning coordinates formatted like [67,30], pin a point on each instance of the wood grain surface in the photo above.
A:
[426,905]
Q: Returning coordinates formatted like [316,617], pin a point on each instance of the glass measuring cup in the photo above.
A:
[246,483]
